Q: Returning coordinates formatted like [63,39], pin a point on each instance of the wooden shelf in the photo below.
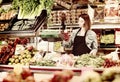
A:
[94,26]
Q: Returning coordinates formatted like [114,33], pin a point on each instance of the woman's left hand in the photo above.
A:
[93,52]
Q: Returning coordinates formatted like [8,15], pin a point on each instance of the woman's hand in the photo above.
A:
[64,36]
[93,52]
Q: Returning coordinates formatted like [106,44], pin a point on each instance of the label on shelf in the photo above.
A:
[18,49]
[117,37]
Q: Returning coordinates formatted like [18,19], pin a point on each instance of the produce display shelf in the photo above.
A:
[48,69]
[17,34]
[39,21]
[93,26]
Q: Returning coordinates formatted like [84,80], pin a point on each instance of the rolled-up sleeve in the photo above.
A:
[91,41]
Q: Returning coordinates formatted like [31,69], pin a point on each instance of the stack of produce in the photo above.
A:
[112,59]
[44,62]
[5,16]
[49,59]
[3,26]
[62,76]
[108,75]
[8,13]
[23,58]
[107,39]
[87,60]
[27,76]
[103,61]
[24,76]
[29,9]
[110,63]
[23,25]
[59,61]
[8,50]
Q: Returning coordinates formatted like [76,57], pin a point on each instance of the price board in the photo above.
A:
[117,37]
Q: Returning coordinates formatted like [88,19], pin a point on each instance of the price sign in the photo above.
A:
[117,37]
[19,49]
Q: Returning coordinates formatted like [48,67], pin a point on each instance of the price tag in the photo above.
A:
[117,37]
[19,49]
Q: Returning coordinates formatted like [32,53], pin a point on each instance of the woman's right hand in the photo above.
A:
[64,36]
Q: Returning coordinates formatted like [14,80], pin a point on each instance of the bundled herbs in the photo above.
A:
[29,9]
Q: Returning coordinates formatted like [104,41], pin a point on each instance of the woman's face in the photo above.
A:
[81,22]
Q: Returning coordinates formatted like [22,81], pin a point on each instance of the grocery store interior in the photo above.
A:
[32,47]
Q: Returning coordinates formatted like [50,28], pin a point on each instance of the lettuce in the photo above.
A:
[29,9]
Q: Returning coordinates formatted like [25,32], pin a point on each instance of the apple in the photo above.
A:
[11,78]
[57,76]
[64,78]
[17,40]
[69,72]
[26,72]
[30,79]
[8,78]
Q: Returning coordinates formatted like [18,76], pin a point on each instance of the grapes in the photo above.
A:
[109,63]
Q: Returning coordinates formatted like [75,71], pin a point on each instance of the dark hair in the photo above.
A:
[87,23]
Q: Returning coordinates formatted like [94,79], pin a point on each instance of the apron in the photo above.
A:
[79,45]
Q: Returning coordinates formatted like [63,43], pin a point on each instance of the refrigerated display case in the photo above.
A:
[31,31]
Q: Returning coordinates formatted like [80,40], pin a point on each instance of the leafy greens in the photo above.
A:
[29,9]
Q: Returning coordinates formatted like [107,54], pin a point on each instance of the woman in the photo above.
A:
[82,40]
